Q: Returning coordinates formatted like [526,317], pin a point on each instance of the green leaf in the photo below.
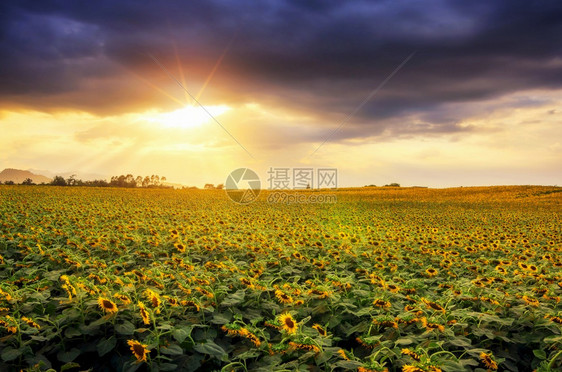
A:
[72,332]
[68,356]
[106,345]
[180,334]
[69,366]
[460,342]
[131,366]
[167,367]
[219,318]
[348,364]
[247,355]
[125,328]
[541,354]
[10,353]
[361,327]
[234,299]
[172,350]
[404,341]
[210,348]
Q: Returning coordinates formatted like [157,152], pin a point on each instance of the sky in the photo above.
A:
[461,92]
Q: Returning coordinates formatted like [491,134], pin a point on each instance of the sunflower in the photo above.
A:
[411,368]
[431,272]
[254,339]
[140,351]
[180,247]
[153,297]
[288,323]
[246,282]
[381,303]
[307,347]
[30,322]
[190,303]
[555,319]
[342,353]
[124,299]
[172,301]
[531,301]
[364,369]
[9,323]
[231,329]
[320,294]
[488,361]
[107,305]
[411,354]
[144,313]
[283,297]
[393,288]
[321,331]
[433,305]
[386,322]
[6,295]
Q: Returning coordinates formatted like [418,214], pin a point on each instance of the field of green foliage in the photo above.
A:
[385,279]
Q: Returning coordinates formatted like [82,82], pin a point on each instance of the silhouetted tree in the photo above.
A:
[220,186]
[71,181]
[28,181]
[209,186]
[58,181]
[10,182]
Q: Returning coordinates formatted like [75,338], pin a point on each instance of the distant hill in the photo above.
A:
[78,174]
[18,176]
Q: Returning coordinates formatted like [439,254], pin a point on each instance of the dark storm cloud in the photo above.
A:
[323,56]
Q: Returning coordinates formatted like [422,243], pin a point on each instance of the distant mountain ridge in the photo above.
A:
[78,174]
[18,176]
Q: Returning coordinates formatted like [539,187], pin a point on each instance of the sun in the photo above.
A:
[187,117]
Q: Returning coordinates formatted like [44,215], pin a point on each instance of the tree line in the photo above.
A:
[128,181]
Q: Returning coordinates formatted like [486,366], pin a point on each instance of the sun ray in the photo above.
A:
[215,67]
[156,88]
[182,75]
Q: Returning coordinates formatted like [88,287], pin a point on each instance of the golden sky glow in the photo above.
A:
[504,146]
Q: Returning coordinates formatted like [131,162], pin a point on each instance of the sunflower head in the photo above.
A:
[140,351]
[381,303]
[431,272]
[144,313]
[288,323]
[488,361]
[283,297]
[321,331]
[411,368]
[433,305]
[107,305]
[343,354]
[180,247]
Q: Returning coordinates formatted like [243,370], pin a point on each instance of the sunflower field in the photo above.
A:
[385,279]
